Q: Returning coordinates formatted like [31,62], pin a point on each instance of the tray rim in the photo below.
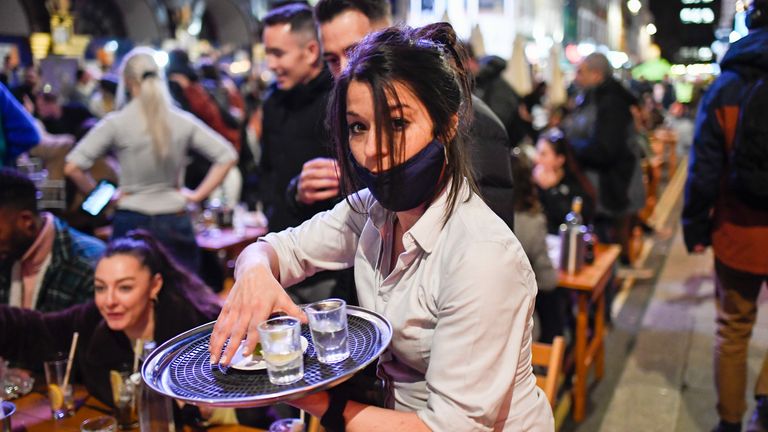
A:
[156,366]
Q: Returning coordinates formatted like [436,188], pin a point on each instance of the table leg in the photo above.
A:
[599,335]
[580,388]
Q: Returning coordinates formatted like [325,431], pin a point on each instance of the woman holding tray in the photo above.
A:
[428,253]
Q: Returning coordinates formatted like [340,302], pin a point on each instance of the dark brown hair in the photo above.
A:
[526,198]
[177,281]
[431,63]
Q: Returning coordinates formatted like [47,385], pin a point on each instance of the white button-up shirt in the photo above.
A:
[460,299]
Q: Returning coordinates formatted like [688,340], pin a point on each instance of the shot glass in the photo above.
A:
[281,349]
[60,396]
[99,424]
[328,325]
[125,387]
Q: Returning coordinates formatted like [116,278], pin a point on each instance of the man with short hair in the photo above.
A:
[716,212]
[294,110]
[294,132]
[44,264]
[343,23]
[599,131]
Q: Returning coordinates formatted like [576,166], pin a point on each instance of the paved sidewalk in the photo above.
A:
[666,383]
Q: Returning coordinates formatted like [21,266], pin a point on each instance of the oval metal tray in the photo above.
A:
[180,368]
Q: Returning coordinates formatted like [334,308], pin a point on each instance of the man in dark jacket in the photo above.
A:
[294,109]
[738,233]
[599,131]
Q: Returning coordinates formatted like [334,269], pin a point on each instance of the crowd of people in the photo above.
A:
[396,170]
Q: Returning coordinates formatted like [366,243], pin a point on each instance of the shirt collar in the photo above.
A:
[426,230]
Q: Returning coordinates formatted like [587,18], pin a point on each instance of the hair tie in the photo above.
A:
[148,74]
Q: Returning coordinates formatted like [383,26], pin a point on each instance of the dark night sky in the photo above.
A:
[672,34]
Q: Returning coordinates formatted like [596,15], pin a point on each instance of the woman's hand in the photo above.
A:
[255,295]
[189,195]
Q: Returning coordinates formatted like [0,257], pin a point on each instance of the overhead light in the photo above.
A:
[651,29]
[634,6]
[161,58]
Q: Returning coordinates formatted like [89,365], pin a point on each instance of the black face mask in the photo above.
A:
[406,186]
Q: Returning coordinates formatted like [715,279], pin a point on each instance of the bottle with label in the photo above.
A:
[572,244]
[155,409]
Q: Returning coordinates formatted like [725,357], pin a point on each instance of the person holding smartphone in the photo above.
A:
[150,138]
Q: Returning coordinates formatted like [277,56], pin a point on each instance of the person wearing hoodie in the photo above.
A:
[714,215]
[500,97]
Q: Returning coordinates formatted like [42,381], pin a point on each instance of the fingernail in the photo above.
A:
[224,359]
[245,352]
[213,360]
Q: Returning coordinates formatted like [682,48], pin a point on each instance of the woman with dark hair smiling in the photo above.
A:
[428,253]
[140,292]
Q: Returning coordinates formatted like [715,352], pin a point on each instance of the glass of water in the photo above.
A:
[328,325]
[281,348]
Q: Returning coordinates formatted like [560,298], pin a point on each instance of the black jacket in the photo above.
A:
[489,155]
[500,97]
[294,132]
[599,131]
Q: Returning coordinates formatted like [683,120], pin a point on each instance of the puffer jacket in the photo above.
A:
[712,215]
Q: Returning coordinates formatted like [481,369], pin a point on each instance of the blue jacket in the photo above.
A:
[711,215]
[17,126]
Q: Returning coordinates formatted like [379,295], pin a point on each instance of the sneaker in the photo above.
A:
[759,420]
[725,426]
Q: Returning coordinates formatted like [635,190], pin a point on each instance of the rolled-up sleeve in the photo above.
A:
[95,144]
[209,143]
[327,241]
[475,357]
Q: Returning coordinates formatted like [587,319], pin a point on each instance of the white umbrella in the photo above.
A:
[476,41]
[518,72]
[445,17]
[556,87]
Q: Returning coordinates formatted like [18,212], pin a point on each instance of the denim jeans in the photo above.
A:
[174,231]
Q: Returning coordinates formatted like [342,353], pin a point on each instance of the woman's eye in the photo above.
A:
[98,288]
[356,128]
[125,288]
[399,123]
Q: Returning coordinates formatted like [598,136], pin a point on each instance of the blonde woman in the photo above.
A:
[150,138]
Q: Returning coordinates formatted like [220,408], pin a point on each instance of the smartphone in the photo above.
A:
[97,200]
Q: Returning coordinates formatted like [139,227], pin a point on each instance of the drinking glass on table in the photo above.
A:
[328,325]
[125,386]
[99,424]
[281,348]
[60,394]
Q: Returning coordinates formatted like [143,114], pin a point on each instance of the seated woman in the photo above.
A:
[427,252]
[559,180]
[140,293]
[531,230]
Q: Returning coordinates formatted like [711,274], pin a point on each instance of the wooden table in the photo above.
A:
[589,285]
[33,414]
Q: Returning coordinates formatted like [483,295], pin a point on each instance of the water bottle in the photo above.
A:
[155,409]
[572,244]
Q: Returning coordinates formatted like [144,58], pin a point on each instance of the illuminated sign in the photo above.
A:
[697,15]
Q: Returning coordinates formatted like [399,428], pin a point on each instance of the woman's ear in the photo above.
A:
[454,127]
[156,286]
